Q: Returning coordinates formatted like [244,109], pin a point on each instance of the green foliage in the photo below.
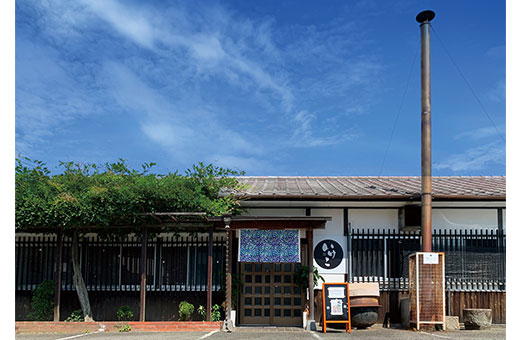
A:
[125,328]
[124,313]
[76,316]
[301,277]
[202,312]
[185,310]
[114,194]
[42,302]
[215,313]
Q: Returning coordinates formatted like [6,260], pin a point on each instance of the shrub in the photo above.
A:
[42,302]
[202,312]
[125,313]
[185,310]
[75,316]
[125,328]
[215,313]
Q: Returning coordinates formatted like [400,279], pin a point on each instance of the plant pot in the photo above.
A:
[363,317]
[233,317]
[364,304]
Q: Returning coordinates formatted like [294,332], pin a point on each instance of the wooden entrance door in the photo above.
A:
[269,295]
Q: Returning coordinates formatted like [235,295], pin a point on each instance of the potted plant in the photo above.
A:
[301,278]
[236,287]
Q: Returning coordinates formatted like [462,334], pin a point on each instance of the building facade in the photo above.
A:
[355,229]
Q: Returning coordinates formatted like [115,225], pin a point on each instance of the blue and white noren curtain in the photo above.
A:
[269,246]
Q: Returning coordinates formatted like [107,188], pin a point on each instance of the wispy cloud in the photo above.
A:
[475,158]
[184,130]
[498,92]
[162,63]
[303,135]
[55,99]
[497,51]
[481,133]
[225,49]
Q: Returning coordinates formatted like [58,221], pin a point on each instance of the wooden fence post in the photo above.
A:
[57,276]
[142,307]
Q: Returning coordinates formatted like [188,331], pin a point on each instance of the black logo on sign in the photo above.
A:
[328,254]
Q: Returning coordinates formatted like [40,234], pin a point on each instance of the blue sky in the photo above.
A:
[269,87]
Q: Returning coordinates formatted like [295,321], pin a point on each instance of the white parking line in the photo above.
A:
[314,334]
[76,336]
[207,335]
[439,336]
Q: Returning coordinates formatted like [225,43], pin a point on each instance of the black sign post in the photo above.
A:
[336,304]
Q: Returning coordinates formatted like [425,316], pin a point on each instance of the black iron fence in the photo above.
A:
[173,263]
[474,259]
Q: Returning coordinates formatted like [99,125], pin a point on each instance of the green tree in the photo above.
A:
[100,197]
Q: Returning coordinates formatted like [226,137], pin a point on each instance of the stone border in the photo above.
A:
[22,327]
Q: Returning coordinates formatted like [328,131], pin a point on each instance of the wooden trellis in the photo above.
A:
[427,289]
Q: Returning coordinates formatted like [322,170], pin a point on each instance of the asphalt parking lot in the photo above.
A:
[373,333]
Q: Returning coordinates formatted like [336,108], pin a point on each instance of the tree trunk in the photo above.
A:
[79,283]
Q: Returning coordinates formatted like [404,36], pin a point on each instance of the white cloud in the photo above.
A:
[129,22]
[221,45]
[475,158]
[480,133]
[304,136]
[52,97]
[164,59]
[498,92]
[188,132]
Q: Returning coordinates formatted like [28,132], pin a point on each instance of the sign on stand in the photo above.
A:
[336,304]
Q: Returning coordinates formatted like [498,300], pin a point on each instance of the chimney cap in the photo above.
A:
[425,16]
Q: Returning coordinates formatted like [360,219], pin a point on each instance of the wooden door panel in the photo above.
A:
[269,295]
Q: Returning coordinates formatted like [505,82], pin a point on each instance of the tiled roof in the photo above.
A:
[484,187]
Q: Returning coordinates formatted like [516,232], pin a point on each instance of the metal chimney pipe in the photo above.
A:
[424,19]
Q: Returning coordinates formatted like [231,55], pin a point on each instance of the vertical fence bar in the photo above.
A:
[17,265]
[386,278]
[30,273]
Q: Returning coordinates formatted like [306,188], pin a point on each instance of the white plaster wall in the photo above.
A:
[461,219]
[504,217]
[277,212]
[333,231]
[373,219]
[334,227]
[274,212]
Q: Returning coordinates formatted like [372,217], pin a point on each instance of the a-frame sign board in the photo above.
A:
[336,304]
